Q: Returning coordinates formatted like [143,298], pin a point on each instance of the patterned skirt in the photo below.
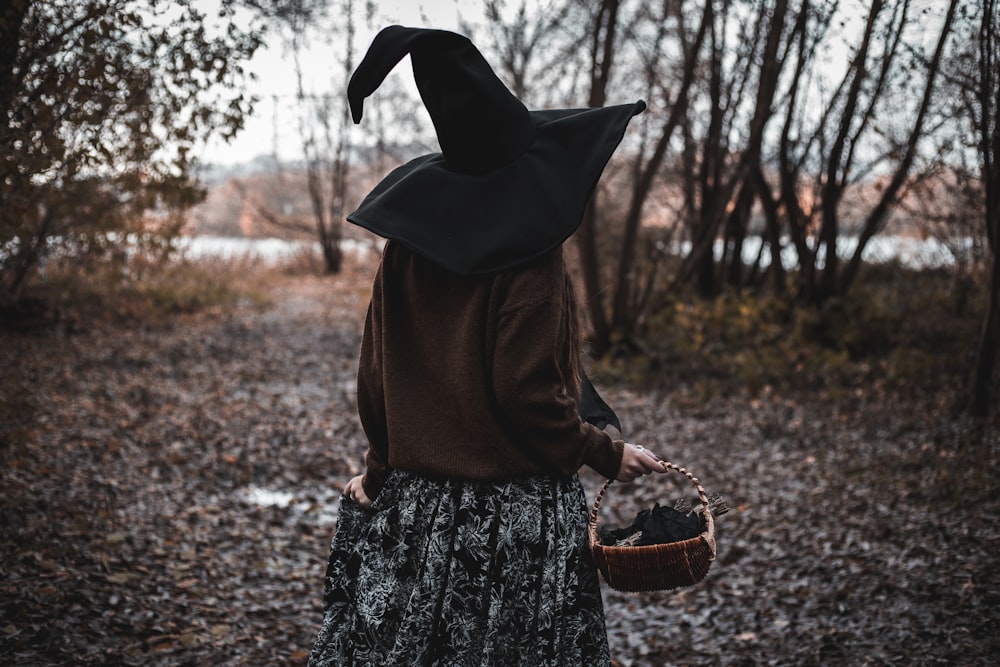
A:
[462,573]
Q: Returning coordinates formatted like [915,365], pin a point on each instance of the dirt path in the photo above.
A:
[174,502]
[172,499]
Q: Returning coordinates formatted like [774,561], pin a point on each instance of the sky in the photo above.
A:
[272,127]
[271,130]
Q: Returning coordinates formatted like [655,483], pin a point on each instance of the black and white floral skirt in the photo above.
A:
[461,573]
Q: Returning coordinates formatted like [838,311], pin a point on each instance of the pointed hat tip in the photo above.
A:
[390,45]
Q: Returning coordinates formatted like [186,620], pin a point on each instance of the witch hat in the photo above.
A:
[508,185]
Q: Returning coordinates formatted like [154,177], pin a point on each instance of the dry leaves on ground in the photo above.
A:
[172,499]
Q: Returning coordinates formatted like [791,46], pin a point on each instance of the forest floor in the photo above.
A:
[169,488]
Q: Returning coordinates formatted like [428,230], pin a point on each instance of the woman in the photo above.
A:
[464,542]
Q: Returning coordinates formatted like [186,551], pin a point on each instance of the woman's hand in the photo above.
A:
[636,462]
[356,492]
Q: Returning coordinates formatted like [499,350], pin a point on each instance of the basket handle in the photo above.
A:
[709,535]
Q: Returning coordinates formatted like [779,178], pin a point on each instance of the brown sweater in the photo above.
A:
[465,377]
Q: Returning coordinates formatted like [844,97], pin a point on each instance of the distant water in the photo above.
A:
[910,252]
[266,250]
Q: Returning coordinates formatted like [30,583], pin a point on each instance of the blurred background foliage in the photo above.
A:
[102,103]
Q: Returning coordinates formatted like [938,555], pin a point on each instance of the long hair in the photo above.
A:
[574,336]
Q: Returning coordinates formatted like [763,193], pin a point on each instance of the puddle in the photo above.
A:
[318,506]
[268,497]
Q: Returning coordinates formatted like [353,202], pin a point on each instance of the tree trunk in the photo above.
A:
[736,232]
[13,269]
[989,342]
[876,218]
[989,142]
[715,211]
[11,19]
[772,235]
[623,318]
[332,253]
[789,171]
[837,166]
[602,52]
[710,179]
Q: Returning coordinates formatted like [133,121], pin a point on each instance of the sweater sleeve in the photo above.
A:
[371,399]
[530,384]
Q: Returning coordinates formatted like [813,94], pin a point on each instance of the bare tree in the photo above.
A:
[326,162]
[962,195]
[982,109]
[629,299]
[323,118]
[650,32]
[809,31]
[877,216]
[534,46]
[602,49]
[726,195]
[812,202]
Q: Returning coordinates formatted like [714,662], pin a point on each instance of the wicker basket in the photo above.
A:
[656,567]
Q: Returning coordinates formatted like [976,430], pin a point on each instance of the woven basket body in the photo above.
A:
[655,567]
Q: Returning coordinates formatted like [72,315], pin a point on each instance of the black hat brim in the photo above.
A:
[485,223]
